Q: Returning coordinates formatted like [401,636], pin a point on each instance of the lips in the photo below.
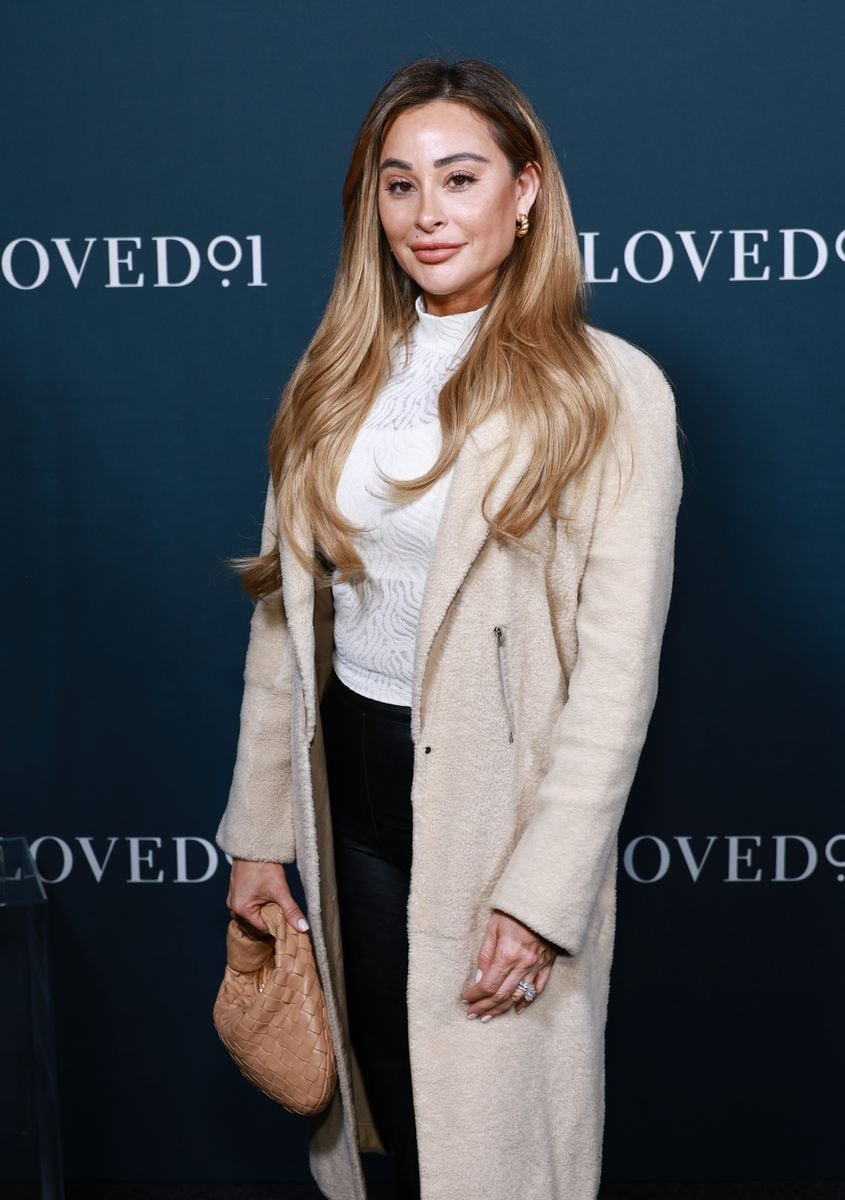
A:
[433,252]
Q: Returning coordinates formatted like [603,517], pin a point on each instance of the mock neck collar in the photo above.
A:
[445,335]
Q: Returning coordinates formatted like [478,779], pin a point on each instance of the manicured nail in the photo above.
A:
[303,924]
[478,976]
[471,1016]
[489,1017]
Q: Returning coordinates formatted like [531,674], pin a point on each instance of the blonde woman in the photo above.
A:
[460,598]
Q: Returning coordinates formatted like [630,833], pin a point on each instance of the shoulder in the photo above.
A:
[647,430]
[645,393]
[636,373]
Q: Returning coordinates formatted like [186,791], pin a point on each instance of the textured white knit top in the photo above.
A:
[376,614]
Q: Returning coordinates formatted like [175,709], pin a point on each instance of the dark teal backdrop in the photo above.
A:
[135,420]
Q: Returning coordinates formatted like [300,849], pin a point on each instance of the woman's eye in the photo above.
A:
[399,187]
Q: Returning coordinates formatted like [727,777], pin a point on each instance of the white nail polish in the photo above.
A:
[303,924]
[478,976]
[489,1017]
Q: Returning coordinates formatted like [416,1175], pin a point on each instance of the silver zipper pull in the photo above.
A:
[500,637]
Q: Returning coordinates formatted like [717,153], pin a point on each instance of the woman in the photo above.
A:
[448,685]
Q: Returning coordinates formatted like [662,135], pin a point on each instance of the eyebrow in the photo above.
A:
[438,162]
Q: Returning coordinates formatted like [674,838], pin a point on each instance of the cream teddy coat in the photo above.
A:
[526,743]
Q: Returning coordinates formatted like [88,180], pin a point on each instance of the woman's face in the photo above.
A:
[444,181]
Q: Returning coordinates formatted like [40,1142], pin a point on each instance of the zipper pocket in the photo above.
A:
[503,676]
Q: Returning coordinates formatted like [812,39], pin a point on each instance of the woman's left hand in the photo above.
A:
[509,952]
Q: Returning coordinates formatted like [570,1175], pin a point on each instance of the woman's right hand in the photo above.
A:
[252,884]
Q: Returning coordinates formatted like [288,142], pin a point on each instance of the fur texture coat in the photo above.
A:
[525,750]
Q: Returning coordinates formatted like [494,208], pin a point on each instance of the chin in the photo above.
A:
[432,276]
[442,284]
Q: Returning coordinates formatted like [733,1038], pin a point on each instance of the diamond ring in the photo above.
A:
[529,989]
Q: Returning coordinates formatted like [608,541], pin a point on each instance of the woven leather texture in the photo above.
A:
[270,1014]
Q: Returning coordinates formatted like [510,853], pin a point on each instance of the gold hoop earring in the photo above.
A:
[522,224]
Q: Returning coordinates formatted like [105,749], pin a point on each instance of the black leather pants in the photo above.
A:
[369,758]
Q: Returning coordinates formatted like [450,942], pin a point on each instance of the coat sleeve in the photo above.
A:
[258,821]
[552,878]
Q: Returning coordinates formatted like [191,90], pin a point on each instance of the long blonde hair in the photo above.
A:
[531,354]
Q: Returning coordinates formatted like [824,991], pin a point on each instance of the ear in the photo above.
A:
[528,185]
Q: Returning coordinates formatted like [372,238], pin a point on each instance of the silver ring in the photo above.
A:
[529,989]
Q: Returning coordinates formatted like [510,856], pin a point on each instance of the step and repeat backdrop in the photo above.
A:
[169,228]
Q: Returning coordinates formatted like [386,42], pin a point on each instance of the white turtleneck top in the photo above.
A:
[376,614]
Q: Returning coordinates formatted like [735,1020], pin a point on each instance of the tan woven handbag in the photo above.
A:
[270,1013]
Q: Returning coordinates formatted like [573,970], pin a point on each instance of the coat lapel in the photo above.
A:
[462,533]
[460,536]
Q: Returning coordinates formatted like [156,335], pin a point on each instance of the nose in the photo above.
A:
[429,212]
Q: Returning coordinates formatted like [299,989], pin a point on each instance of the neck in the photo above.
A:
[446,334]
